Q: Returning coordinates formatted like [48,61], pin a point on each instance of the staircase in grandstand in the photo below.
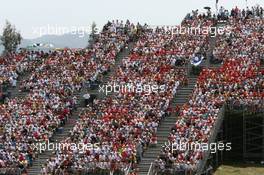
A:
[16,91]
[150,155]
[64,132]
[262,66]
[181,97]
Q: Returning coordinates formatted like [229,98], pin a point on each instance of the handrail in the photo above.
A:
[128,170]
[150,168]
[15,171]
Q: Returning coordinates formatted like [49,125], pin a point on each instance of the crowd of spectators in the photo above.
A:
[125,124]
[13,64]
[255,11]
[239,81]
[50,97]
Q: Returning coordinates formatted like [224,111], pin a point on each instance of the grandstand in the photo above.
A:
[202,89]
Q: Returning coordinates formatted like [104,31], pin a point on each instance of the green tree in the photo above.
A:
[10,38]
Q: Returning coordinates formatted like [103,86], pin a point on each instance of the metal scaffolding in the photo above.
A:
[244,129]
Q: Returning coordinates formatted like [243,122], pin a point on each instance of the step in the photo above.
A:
[165,126]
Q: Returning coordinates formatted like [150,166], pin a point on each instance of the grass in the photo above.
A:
[240,169]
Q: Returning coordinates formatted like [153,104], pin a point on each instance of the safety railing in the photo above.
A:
[128,169]
[152,170]
[105,169]
[10,171]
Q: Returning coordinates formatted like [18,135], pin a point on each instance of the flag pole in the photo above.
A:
[246,3]
[216,7]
